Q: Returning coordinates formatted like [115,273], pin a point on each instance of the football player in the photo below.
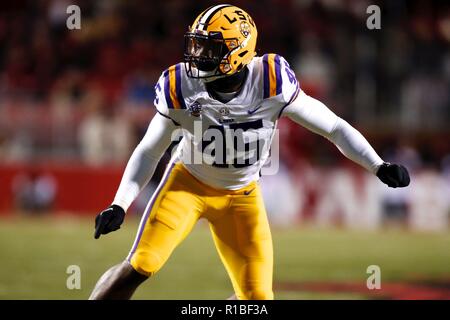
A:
[221,90]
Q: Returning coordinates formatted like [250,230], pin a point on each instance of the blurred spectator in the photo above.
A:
[430,203]
[396,203]
[314,68]
[282,197]
[104,136]
[34,192]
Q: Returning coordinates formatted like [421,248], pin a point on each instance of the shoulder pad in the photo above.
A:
[168,90]
[278,78]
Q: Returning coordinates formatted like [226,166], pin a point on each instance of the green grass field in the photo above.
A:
[309,262]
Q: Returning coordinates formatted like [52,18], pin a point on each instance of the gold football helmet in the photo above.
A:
[220,42]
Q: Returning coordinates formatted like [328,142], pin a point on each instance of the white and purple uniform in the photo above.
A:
[249,119]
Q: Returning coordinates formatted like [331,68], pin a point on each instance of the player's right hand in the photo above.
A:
[394,175]
[109,220]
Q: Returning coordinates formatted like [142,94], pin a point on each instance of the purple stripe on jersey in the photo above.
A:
[266,76]
[147,212]
[278,74]
[178,86]
[167,89]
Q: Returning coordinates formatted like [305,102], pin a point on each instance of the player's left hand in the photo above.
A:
[109,220]
[394,175]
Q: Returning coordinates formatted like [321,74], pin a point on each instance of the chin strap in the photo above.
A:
[228,80]
[213,78]
[233,82]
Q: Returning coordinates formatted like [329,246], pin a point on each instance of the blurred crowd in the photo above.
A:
[87,95]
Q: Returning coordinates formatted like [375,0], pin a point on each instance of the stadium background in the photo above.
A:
[74,103]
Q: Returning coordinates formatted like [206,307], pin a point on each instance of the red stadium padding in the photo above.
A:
[79,188]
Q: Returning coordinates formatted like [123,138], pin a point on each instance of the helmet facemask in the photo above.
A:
[206,55]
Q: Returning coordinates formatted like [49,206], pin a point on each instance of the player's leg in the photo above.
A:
[171,219]
[244,242]
[170,216]
[119,283]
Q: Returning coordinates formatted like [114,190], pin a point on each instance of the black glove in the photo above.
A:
[393,175]
[108,220]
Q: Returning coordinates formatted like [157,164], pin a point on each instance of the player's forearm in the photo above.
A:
[354,146]
[315,116]
[143,161]
[137,174]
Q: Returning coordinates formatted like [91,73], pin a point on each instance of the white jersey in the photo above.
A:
[270,90]
[225,145]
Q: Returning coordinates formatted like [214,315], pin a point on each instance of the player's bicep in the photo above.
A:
[160,134]
[160,100]
[311,114]
[287,85]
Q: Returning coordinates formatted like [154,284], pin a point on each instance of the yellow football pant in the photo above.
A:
[237,220]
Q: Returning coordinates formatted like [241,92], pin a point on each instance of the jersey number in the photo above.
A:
[251,151]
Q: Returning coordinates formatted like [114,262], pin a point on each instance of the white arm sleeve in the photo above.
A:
[143,161]
[315,116]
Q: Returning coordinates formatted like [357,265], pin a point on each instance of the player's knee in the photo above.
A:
[146,262]
[257,294]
